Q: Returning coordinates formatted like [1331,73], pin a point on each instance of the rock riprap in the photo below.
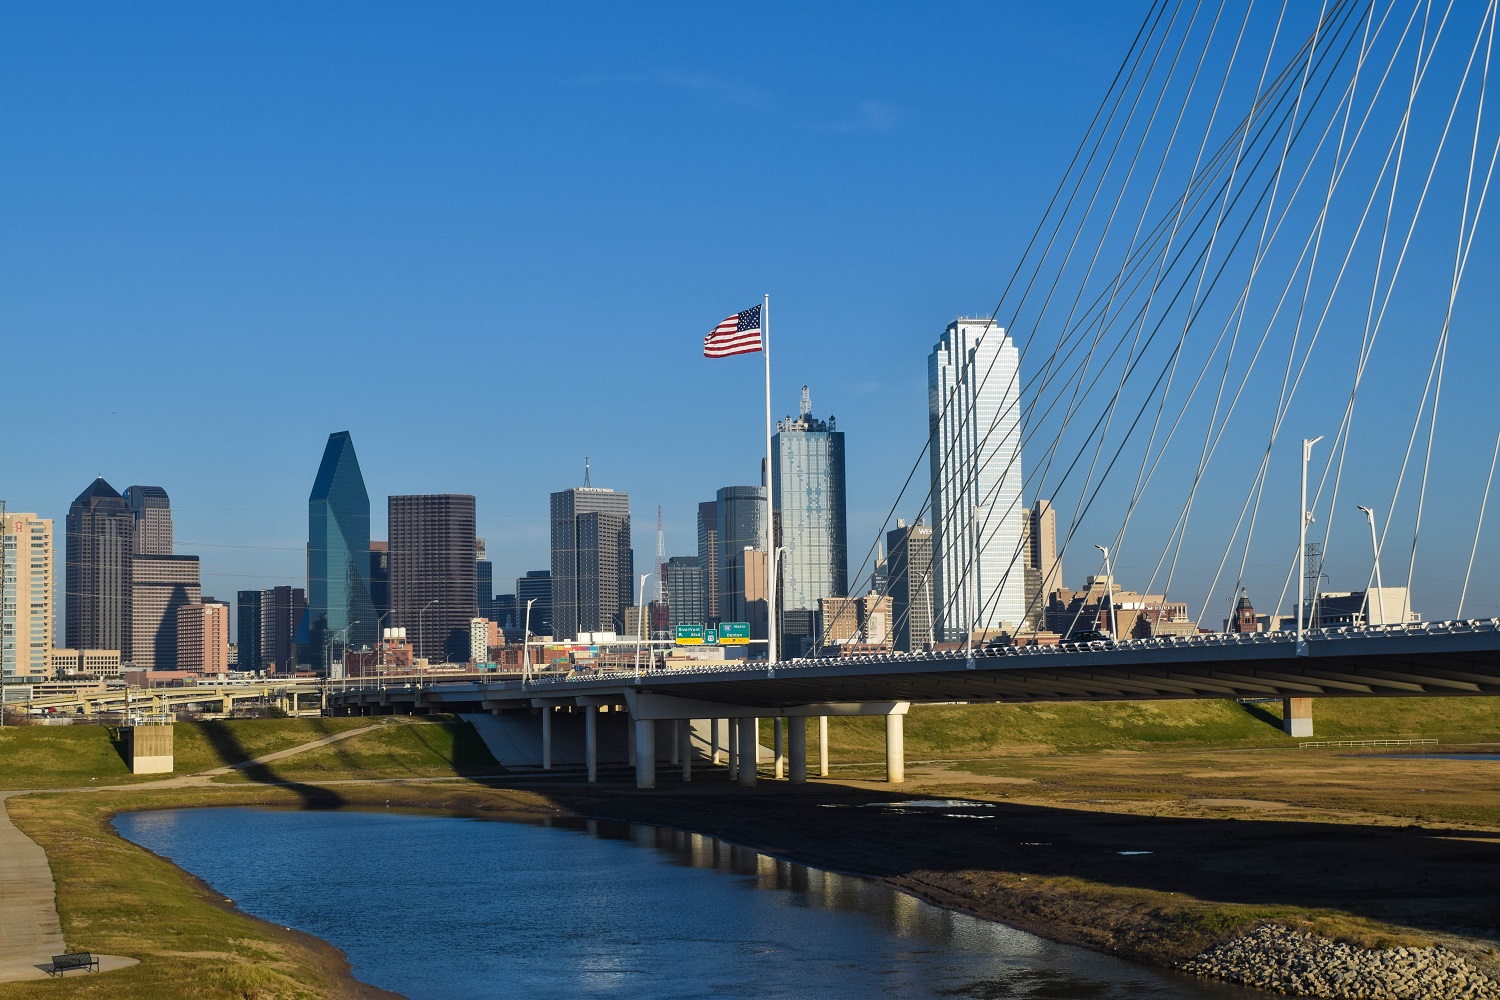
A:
[1284,960]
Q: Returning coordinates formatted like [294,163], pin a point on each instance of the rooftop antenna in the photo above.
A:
[806,403]
[585,472]
[661,557]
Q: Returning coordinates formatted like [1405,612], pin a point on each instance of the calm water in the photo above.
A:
[438,907]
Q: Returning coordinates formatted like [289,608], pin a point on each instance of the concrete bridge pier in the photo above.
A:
[733,726]
[591,742]
[749,747]
[822,746]
[546,737]
[645,753]
[718,740]
[895,748]
[778,729]
[797,751]
[1296,716]
[685,742]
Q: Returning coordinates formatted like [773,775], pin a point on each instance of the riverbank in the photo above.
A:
[1154,856]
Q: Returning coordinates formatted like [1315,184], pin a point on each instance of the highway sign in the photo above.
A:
[710,637]
[690,635]
[734,633]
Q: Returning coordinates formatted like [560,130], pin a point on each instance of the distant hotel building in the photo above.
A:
[593,565]
[203,638]
[432,568]
[974,427]
[338,553]
[27,594]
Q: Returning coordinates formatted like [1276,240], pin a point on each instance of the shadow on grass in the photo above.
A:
[1259,713]
[117,740]
[230,750]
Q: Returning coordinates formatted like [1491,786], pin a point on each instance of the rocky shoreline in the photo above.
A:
[1284,960]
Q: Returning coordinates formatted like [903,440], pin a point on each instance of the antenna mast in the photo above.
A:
[661,559]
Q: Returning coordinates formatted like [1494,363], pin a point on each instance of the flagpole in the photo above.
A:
[765,337]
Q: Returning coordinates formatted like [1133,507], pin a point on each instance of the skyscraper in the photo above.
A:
[684,586]
[101,541]
[741,525]
[153,519]
[203,638]
[432,572]
[535,589]
[484,582]
[380,582]
[159,587]
[27,594]
[1042,541]
[708,557]
[267,627]
[909,582]
[974,427]
[247,617]
[807,487]
[593,565]
[338,552]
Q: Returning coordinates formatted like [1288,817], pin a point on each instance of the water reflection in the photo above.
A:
[439,907]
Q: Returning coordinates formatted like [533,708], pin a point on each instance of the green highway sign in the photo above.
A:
[690,635]
[734,633]
[710,637]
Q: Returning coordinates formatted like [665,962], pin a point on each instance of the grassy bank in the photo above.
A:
[954,731]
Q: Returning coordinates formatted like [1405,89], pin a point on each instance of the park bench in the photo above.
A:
[80,960]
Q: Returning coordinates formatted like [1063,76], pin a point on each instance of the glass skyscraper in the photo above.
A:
[338,553]
[974,426]
[740,524]
[807,479]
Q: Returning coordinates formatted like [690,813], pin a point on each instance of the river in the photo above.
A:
[445,907]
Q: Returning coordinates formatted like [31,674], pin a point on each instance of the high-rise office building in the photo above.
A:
[741,524]
[159,586]
[1042,543]
[593,564]
[203,638]
[684,586]
[534,591]
[27,594]
[974,446]
[708,557]
[432,572]
[100,543]
[380,582]
[267,627]
[338,553]
[812,526]
[909,583]
[484,581]
[153,519]
[503,612]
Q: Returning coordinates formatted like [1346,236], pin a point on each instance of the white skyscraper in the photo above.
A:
[974,427]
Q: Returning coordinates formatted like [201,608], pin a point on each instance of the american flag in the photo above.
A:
[737,334]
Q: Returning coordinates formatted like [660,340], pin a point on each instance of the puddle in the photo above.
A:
[1133,853]
[968,816]
[932,804]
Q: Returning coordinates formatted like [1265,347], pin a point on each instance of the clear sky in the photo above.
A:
[488,240]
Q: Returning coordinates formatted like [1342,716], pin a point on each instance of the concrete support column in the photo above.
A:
[895,749]
[778,740]
[685,737]
[733,726]
[797,751]
[677,743]
[749,750]
[822,746]
[1296,716]
[591,741]
[630,741]
[645,753]
[546,737]
[718,740]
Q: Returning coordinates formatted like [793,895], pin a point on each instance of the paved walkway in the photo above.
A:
[30,931]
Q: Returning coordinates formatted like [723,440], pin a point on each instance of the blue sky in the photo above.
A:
[488,239]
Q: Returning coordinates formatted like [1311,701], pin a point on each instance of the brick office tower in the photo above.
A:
[433,572]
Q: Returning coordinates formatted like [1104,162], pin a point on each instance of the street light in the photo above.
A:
[1304,519]
[1109,590]
[1379,587]
[640,623]
[526,642]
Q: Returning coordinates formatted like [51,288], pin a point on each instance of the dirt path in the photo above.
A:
[30,930]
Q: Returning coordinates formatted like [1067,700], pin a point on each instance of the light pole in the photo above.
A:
[1304,518]
[1379,587]
[640,624]
[1109,590]
[526,642]
[422,629]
